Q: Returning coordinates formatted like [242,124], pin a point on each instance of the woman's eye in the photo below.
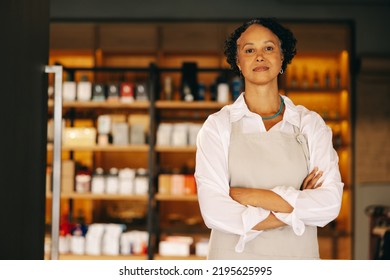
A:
[249,51]
[269,48]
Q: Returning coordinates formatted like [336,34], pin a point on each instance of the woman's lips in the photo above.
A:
[260,68]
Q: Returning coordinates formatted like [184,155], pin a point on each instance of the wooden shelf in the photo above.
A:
[172,197]
[102,104]
[102,257]
[107,148]
[314,90]
[163,104]
[191,257]
[173,149]
[104,196]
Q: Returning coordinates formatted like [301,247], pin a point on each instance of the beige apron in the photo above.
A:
[265,160]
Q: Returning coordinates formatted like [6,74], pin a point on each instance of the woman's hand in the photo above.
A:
[311,180]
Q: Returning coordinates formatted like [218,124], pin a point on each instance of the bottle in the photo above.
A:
[189,81]
[305,79]
[98,92]
[223,93]
[316,80]
[84,89]
[294,78]
[69,89]
[338,80]
[98,181]
[126,180]
[112,181]
[201,91]
[141,182]
[187,95]
[168,88]
[141,93]
[327,79]
[236,87]
[79,231]
[126,93]
[83,181]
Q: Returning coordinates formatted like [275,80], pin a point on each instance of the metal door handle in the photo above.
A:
[55,227]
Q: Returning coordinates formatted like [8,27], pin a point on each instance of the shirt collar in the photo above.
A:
[239,109]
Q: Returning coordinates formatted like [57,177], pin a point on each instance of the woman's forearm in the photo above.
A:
[265,199]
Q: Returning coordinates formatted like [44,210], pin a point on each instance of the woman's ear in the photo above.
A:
[238,64]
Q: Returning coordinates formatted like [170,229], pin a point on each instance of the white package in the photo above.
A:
[164,133]
[111,239]
[134,242]
[180,134]
[98,184]
[126,180]
[112,181]
[93,239]
[201,248]
[193,133]
[64,244]
[223,93]
[141,182]
[171,248]
[69,91]
[84,91]
[77,245]
[120,133]
[104,124]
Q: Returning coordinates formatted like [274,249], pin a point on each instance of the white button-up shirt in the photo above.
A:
[314,207]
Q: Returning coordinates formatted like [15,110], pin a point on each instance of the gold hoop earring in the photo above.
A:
[281,71]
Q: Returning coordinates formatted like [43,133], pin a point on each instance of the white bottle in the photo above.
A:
[141,182]
[126,181]
[69,91]
[98,184]
[223,93]
[112,181]
[84,90]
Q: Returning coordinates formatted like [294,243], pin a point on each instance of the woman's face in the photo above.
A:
[259,56]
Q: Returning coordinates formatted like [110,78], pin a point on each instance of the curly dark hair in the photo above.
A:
[286,37]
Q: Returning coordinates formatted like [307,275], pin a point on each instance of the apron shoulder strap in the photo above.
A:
[301,138]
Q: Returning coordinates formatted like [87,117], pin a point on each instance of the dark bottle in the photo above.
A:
[305,78]
[327,79]
[316,80]
[189,81]
[338,80]
[294,78]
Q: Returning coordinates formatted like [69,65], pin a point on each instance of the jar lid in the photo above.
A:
[99,171]
[142,171]
[114,171]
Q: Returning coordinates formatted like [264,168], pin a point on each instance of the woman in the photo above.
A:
[266,171]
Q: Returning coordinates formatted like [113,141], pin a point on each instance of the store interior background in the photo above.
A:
[372,58]
[371,69]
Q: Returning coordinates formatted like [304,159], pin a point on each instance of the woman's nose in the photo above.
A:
[260,56]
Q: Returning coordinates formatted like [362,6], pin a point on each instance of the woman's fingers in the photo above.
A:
[308,178]
[312,180]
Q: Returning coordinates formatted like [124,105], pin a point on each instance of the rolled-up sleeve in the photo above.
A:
[218,209]
[315,207]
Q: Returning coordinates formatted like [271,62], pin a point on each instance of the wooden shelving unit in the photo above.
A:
[171,197]
[102,257]
[163,104]
[103,196]
[103,148]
